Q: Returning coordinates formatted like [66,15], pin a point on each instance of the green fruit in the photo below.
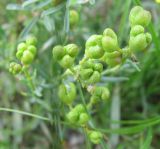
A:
[95,137]
[72,50]
[94,47]
[136,30]
[19,54]
[98,67]
[83,118]
[79,108]
[105,94]
[126,53]
[67,61]
[15,68]
[86,73]
[113,58]
[73,17]
[67,93]
[31,41]
[27,57]
[100,93]
[22,47]
[72,116]
[58,52]
[32,49]
[139,40]
[109,40]
[139,16]
[96,77]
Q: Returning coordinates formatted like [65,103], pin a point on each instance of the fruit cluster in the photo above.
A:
[99,50]
[65,55]
[26,52]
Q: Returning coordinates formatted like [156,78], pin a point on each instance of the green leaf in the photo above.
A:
[15,7]
[52,10]
[29,2]
[25,113]
[148,140]
[66,19]
[42,4]
[28,28]
[132,129]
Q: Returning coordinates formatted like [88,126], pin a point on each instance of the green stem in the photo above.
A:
[29,79]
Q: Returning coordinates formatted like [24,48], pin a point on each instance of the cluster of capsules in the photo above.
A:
[99,49]
[26,52]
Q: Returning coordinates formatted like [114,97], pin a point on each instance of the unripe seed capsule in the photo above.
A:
[58,52]
[73,18]
[67,93]
[95,137]
[27,57]
[32,49]
[109,40]
[139,16]
[22,47]
[72,49]
[83,118]
[94,47]
[79,108]
[67,61]
[31,41]
[72,116]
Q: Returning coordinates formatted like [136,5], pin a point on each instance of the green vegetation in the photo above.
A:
[79,74]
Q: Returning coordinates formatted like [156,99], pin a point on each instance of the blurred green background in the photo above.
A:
[138,89]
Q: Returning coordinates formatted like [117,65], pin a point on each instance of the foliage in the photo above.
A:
[66,66]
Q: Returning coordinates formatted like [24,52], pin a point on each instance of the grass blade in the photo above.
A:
[25,113]
[148,140]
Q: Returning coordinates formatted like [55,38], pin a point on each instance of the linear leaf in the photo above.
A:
[27,29]
[25,113]
[52,10]
[29,2]
[148,140]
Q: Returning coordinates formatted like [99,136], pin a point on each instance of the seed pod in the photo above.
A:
[72,50]
[58,52]
[113,58]
[138,39]
[109,40]
[19,54]
[67,93]
[126,53]
[73,18]
[90,72]
[83,118]
[95,77]
[32,49]
[67,61]
[31,41]
[99,93]
[98,67]
[72,116]
[15,68]
[95,137]
[79,108]
[27,57]
[139,16]
[94,47]
[86,73]
[22,47]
